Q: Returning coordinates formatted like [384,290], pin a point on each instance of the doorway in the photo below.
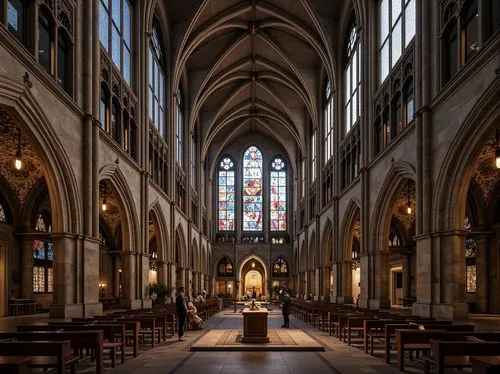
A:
[396,285]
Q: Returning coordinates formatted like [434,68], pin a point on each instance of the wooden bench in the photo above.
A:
[485,364]
[15,364]
[455,354]
[419,340]
[44,354]
[110,334]
[78,340]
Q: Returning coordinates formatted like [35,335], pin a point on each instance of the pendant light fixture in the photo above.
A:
[104,206]
[497,152]
[408,203]
[18,163]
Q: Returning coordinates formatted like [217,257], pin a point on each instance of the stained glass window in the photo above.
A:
[225,267]
[3,216]
[226,194]
[179,128]
[43,256]
[252,189]
[278,194]
[280,267]
[39,249]
[313,156]
[328,124]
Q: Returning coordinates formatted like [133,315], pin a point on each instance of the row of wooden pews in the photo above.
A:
[439,344]
[59,345]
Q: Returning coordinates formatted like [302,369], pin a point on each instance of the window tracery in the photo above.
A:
[226,194]
[252,189]
[278,187]
[280,267]
[43,255]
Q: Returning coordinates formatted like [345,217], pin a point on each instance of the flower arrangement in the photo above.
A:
[254,305]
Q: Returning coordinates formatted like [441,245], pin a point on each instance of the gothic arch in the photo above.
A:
[450,196]
[112,174]
[303,257]
[346,230]
[327,244]
[162,234]
[381,216]
[313,252]
[180,246]
[196,256]
[63,189]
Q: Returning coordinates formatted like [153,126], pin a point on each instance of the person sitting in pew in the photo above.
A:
[194,321]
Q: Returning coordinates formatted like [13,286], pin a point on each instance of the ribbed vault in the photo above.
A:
[253,66]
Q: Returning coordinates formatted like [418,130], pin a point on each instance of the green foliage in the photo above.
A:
[158,292]
[276,290]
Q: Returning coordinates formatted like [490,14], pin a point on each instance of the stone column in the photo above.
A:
[494,277]
[316,292]
[365,291]
[194,282]
[90,272]
[424,277]
[346,297]
[171,277]
[143,289]
[326,283]
[26,266]
[482,300]
[116,276]
[406,274]
[130,297]
[188,283]
[381,285]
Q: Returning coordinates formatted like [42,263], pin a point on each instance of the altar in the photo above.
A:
[255,326]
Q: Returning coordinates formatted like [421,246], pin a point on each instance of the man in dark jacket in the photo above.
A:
[287,305]
[181,310]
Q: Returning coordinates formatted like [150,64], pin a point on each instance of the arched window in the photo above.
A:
[397,116]
[469,35]
[408,104]
[156,82]
[63,60]
[225,268]
[450,45]
[226,194]
[104,109]
[115,120]
[328,123]
[278,195]
[280,267]
[313,155]
[115,30]
[396,29]
[43,255]
[352,79]
[179,129]
[252,189]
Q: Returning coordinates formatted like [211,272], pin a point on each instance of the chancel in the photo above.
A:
[319,176]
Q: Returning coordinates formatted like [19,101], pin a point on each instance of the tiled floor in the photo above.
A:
[175,357]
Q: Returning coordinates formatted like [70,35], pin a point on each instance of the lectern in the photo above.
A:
[255,326]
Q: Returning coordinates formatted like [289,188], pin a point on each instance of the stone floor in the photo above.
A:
[176,357]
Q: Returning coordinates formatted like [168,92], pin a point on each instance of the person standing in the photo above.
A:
[181,310]
[287,306]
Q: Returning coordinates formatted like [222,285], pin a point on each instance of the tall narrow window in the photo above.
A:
[63,60]
[470,258]
[43,256]
[104,109]
[252,189]
[469,35]
[16,14]
[227,196]
[450,56]
[328,123]
[179,129]
[194,159]
[303,177]
[352,79]
[408,105]
[156,82]
[44,40]
[115,30]
[313,156]
[278,195]
[396,29]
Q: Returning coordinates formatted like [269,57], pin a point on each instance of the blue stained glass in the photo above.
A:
[50,251]
[39,250]
[12,16]
[226,195]
[252,189]
[104,27]
[126,65]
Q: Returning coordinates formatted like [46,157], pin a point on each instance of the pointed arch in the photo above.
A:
[303,258]
[195,253]
[162,234]
[252,184]
[327,244]
[313,252]
[112,174]
[380,221]
[180,245]
[346,230]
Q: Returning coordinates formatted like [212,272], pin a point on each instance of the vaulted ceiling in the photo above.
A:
[253,66]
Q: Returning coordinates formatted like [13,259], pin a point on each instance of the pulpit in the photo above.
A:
[255,326]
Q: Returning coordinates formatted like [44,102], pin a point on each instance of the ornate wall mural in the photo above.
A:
[485,174]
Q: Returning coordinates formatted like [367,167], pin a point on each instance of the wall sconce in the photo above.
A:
[408,204]
[253,264]
[18,163]
[497,152]
[104,205]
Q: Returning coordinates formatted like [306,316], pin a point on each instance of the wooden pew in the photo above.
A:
[455,354]
[110,332]
[44,354]
[418,340]
[79,340]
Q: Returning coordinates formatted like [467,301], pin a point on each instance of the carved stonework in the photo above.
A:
[112,214]
[485,174]
[20,181]
[399,207]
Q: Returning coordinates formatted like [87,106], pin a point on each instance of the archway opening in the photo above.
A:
[252,284]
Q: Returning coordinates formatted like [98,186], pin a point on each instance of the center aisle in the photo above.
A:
[175,357]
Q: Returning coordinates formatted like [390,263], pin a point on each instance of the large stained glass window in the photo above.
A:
[43,256]
[352,79]
[470,258]
[156,82]
[278,195]
[280,267]
[226,194]
[252,189]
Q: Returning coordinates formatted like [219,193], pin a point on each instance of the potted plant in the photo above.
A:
[158,293]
